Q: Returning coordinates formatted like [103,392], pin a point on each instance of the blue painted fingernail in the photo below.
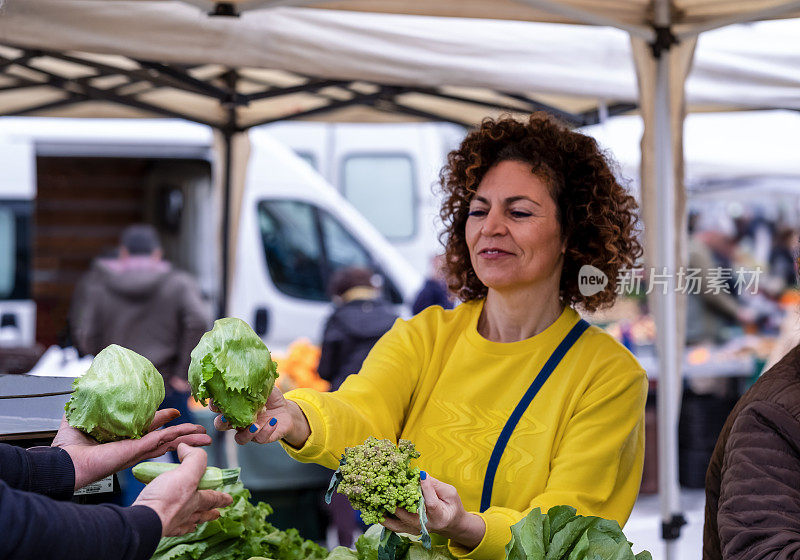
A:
[273,421]
[222,418]
[423,475]
[253,428]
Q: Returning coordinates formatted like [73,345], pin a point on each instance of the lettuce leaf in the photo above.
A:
[117,397]
[563,535]
[241,532]
[370,546]
[232,366]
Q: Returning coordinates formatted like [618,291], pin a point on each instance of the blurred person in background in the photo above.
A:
[789,333]
[36,485]
[711,313]
[434,290]
[361,317]
[782,257]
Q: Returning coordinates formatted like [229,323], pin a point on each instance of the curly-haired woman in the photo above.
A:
[527,205]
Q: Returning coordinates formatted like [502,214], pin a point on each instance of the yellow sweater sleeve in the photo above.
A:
[372,403]
[598,465]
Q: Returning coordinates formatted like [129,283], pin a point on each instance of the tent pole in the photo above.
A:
[227,139]
[666,312]
[668,389]
[228,131]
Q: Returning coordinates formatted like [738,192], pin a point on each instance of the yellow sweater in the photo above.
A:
[437,382]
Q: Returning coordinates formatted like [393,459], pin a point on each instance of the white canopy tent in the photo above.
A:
[721,148]
[130,58]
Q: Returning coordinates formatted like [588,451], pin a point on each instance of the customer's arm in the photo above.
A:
[759,503]
[43,470]
[37,527]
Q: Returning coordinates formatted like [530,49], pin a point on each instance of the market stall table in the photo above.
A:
[31,408]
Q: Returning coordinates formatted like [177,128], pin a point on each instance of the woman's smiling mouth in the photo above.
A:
[494,253]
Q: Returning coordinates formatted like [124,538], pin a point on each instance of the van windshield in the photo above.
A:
[8,244]
[304,245]
[15,250]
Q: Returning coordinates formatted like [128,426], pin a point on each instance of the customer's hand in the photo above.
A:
[93,460]
[446,516]
[174,496]
[278,419]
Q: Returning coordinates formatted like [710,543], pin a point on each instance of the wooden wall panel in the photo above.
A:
[82,206]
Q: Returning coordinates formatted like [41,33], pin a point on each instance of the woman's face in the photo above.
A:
[512,231]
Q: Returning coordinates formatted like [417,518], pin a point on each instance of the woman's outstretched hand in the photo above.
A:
[278,419]
[446,515]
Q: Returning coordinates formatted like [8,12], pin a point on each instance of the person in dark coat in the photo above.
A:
[782,257]
[361,317]
[753,479]
[434,290]
[38,521]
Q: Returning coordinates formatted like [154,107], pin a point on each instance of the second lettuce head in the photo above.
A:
[117,398]
[232,366]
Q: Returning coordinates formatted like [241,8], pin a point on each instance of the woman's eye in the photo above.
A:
[520,214]
[477,213]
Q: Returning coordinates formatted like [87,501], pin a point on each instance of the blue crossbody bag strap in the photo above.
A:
[519,410]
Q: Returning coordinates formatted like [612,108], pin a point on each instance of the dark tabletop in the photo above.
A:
[31,405]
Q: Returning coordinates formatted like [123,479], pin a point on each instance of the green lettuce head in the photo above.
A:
[233,366]
[117,397]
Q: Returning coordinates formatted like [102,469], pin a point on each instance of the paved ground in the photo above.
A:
[644,527]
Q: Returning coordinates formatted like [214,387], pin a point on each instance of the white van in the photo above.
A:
[68,188]
[388,172]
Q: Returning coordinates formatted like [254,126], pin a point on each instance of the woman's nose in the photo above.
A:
[494,224]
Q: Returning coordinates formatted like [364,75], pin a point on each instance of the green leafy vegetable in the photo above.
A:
[402,547]
[117,397]
[562,535]
[214,477]
[241,533]
[232,366]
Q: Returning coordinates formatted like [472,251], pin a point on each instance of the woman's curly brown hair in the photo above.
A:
[597,216]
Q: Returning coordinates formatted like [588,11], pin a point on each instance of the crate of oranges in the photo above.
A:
[297,369]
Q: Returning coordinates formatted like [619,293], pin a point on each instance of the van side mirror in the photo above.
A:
[261,323]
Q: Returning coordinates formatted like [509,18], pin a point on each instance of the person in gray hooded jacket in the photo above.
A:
[139,301]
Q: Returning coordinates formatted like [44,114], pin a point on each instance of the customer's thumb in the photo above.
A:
[193,462]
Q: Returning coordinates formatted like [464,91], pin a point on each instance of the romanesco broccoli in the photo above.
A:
[377,477]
